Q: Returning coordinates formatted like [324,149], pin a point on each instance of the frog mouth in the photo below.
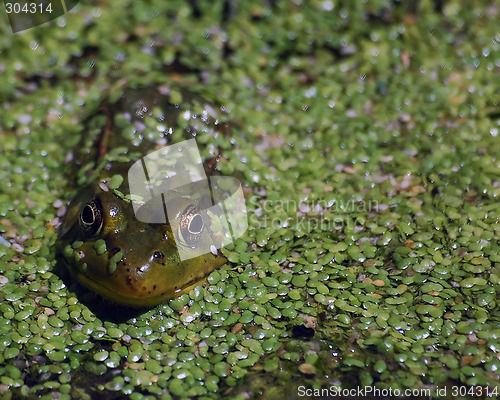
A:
[135,301]
[125,300]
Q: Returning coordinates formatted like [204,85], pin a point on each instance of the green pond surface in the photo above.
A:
[366,135]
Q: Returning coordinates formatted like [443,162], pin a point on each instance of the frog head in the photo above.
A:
[108,250]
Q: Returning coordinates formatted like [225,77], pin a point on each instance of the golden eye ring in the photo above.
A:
[191,226]
[91,217]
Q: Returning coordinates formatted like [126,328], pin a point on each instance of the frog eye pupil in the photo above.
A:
[195,225]
[88,215]
[191,225]
[91,217]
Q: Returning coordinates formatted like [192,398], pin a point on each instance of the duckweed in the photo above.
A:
[115,182]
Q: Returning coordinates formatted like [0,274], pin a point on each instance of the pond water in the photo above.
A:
[365,137]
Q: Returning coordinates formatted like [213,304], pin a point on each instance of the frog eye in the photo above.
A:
[91,217]
[190,226]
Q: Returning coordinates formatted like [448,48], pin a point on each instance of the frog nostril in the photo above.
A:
[113,251]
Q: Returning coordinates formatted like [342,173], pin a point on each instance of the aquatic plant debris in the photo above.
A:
[367,138]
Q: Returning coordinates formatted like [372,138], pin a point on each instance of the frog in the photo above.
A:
[108,250]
